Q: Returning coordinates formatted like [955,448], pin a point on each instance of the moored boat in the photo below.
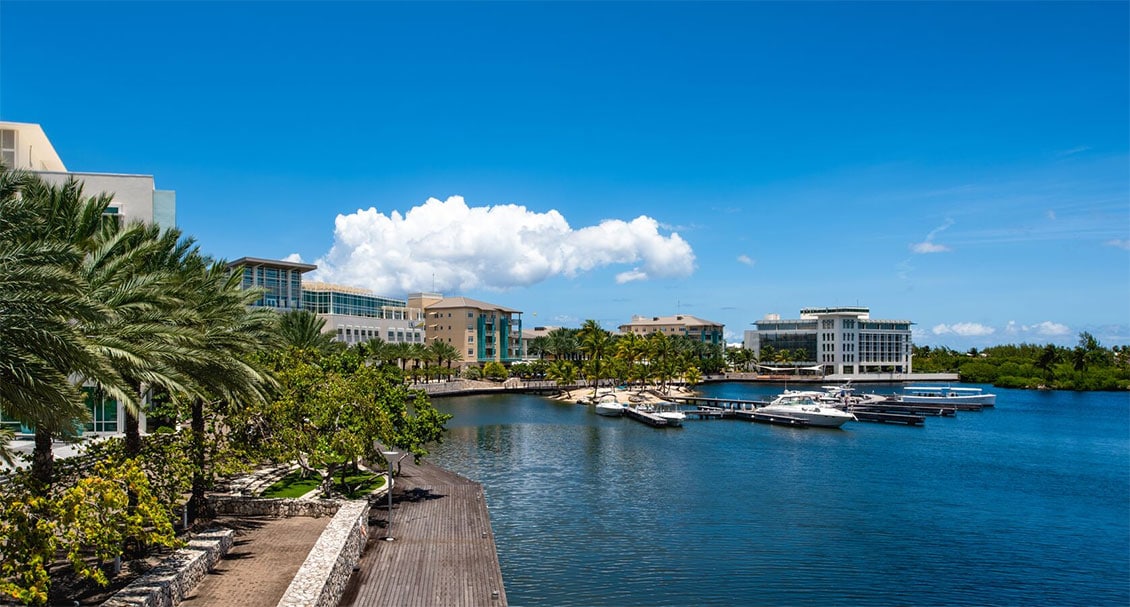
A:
[946,395]
[803,406]
[608,406]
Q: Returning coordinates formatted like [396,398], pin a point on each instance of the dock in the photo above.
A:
[444,552]
[650,419]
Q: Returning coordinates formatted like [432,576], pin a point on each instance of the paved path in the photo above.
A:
[444,553]
[259,567]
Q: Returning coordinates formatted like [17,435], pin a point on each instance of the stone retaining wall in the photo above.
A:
[167,584]
[276,507]
[321,580]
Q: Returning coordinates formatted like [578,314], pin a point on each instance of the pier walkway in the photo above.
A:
[444,552]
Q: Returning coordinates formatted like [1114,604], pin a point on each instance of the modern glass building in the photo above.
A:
[357,315]
[282,281]
[840,340]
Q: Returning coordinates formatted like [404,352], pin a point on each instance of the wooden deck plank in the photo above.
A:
[444,552]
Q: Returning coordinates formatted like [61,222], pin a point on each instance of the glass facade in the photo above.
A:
[354,304]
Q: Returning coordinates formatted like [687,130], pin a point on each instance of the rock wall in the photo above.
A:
[168,583]
[321,580]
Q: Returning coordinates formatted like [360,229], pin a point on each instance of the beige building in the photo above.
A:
[25,146]
[681,324]
[482,332]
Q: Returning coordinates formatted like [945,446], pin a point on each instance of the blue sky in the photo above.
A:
[961,165]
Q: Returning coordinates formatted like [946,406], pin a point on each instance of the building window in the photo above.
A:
[8,148]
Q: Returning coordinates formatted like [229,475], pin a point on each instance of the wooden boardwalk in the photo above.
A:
[444,552]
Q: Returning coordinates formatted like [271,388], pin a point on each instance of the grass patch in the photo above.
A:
[294,485]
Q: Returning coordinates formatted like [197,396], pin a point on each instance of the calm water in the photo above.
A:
[1024,504]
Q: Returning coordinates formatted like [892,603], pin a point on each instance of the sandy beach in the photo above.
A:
[625,396]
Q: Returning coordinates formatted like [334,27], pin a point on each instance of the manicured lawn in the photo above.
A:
[293,485]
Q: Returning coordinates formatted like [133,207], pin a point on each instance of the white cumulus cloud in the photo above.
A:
[746,260]
[449,246]
[1047,328]
[964,329]
[293,258]
[1119,243]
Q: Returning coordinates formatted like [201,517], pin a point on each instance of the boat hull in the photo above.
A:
[609,410]
[821,417]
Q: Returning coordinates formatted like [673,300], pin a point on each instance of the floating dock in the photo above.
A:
[650,419]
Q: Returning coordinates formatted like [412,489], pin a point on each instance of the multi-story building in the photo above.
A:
[357,315]
[482,332]
[281,281]
[681,324]
[25,146]
[841,340]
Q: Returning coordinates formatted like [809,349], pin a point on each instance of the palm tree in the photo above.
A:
[562,372]
[305,330]
[375,350]
[229,333]
[40,297]
[444,352]
[596,344]
[75,233]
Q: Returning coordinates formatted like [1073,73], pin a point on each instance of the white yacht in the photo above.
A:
[946,395]
[608,406]
[803,406]
[666,411]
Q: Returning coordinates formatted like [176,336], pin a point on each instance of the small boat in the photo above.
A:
[673,416]
[945,395]
[803,406]
[666,411]
[608,406]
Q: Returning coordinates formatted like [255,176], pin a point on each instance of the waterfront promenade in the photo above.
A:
[444,552]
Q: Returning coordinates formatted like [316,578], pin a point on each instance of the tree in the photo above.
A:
[562,372]
[596,345]
[57,340]
[303,329]
[223,369]
[443,352]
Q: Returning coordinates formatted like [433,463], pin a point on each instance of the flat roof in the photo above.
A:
[272,263]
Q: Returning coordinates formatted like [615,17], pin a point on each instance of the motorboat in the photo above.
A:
[608,406]
[666,411]
[945,395]
[803,406]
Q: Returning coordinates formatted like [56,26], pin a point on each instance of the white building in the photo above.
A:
[25,146]
[842,340]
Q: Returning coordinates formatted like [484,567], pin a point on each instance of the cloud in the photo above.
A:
[1051,215]
[1046,328]
[630,276]
[449,246]
[293,258]
[1119,243]
[964,329]
[746,260]
[928,245]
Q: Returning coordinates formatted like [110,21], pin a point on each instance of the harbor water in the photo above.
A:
[1026,503]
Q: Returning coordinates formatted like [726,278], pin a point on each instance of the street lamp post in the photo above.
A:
[388,528]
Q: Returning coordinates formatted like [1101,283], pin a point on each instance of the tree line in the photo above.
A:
[1086,366]
[93,307]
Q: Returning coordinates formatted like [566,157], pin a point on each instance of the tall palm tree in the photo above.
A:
[596,344]
[63,220]
[222,371]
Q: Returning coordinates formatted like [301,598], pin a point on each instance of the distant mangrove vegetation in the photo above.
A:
[1087,366]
